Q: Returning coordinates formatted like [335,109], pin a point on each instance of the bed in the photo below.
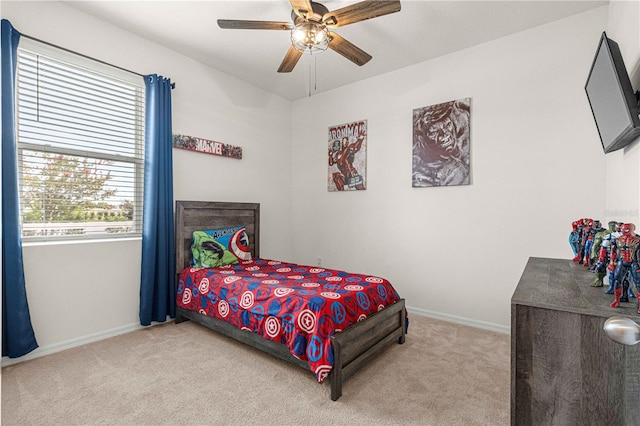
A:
[351,348]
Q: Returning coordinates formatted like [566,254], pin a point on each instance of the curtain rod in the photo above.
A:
[173,85]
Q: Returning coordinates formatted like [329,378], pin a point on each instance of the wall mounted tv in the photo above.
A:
[613,103]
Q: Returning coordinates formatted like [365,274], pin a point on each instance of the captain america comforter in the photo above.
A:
[296,305]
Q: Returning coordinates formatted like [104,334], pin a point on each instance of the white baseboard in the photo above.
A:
[79,341]
[459,320]
[72,343]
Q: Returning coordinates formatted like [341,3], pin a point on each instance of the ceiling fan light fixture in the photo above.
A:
[310,37]
[310,30]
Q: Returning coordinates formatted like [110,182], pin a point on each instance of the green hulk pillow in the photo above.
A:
[219,247]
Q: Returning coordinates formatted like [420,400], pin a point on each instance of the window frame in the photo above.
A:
[136,160]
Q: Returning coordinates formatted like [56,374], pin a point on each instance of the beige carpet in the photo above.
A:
[184,374]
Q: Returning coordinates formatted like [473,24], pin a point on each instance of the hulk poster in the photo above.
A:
[441,144]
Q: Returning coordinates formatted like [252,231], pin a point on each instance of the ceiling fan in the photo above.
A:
[310,30]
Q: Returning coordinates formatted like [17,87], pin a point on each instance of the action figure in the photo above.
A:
[585,242]
[636,267]
[581,225]
[600,252]
[609,243]
[593,228]
[574,240]
[624,261]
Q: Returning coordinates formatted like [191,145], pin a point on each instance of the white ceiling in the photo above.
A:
[420,31]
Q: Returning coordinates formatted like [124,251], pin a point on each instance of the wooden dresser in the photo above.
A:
[564,369]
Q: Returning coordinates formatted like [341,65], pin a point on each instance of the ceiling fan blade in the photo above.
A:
[359,12]
[290,60]
[348,50]
[253,25]
[302,8]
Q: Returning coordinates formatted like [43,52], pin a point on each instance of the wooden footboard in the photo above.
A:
[354,347]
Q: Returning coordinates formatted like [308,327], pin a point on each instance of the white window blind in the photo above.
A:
[80,130]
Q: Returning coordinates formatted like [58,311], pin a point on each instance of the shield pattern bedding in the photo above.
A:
[297,305]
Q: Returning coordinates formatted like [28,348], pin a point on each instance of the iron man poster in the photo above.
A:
[441,144]
[348,156]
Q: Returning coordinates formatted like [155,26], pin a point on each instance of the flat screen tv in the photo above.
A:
[613,102]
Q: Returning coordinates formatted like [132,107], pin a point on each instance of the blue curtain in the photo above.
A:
[18,338]
[157,291]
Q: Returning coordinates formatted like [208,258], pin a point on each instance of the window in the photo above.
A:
[80,132]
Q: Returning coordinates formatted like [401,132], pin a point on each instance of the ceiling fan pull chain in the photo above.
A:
[315,74]
[309,83]
[313,69]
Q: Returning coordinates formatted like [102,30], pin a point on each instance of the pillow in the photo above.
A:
[219,247]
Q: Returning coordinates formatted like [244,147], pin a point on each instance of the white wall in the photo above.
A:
[623,166]
[537,165]
[78,292]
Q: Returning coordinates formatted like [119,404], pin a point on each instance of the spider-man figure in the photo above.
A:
[624,261]
[577,238]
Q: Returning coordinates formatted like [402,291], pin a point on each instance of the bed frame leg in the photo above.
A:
[336,386]
[403,325]
[336,372]
[180,318]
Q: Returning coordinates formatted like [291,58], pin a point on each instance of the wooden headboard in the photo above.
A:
[200,215]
